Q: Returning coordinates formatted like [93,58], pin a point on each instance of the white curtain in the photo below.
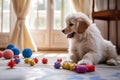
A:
[21,36]
[84,6]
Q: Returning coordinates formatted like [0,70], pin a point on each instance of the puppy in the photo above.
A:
[87,46]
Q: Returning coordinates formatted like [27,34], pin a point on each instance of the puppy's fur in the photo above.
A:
[87,46]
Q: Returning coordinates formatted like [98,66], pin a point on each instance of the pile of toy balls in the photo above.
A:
[78,68]
[10,52]
[31,62]
[26,53]
[12,47]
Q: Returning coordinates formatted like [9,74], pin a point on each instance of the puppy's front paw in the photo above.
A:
[84,61]
[112,62]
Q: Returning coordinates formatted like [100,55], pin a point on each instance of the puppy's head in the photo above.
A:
[76,24]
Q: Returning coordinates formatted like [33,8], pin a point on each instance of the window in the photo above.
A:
[4,16]
[61,9]
[46,19]
[38,18]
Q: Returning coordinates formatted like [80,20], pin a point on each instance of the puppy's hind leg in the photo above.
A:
[112,55]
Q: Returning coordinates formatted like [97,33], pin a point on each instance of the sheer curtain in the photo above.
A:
[84,6]
[21,36]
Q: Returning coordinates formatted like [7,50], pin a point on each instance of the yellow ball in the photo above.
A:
[27,60]
[72,65]
[66,65]
[32,63]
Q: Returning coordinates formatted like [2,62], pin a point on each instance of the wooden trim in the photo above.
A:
[52,49]
[106,15]
[2,49]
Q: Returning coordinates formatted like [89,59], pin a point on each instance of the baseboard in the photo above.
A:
[52,49]
[2,49]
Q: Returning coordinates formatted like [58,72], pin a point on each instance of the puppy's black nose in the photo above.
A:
[63,31]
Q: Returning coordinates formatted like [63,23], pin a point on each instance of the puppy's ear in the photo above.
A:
[81,26]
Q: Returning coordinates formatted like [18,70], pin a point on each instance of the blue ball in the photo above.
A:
[16,51]
[27,53]
[57,65]
[10,46]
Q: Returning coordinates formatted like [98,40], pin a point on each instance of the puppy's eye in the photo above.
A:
[71,24]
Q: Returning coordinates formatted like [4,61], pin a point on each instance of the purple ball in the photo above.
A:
[57,65]
[17,60]
[81,68]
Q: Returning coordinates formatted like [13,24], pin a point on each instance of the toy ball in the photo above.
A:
[80,68]
[91,68]
[16,51]
[27,60]
[32,62]
[27,53]
[57,65]
[36,60]
[10,46]
[8,54]
[66,65]
[1,54]
[16,56]
[16,60]
[44,60]
[59,60]
[72,66]
[11,63]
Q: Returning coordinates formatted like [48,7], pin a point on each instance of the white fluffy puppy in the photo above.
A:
[87,46]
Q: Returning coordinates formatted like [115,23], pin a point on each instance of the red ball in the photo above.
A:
[91,68]
[1,54]
[44,60]
[8,54]
[59,60]
[36,60]
[11,63]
